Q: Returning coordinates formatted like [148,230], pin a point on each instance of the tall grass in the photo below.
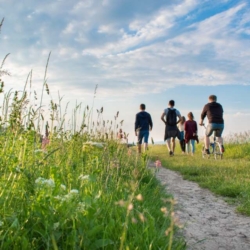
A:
[75,188]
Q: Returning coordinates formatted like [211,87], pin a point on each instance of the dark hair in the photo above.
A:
[171,103]
[142,106]
[190,115]
[183,119]
[213,98]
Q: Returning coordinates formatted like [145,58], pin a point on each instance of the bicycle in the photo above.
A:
[214,148]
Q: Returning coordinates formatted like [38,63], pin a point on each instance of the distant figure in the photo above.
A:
[214,112]
[169,117]
[181,129]
[143,124]
[190,128]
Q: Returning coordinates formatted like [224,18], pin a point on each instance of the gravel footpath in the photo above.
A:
[209,222]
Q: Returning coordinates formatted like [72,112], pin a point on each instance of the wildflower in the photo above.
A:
[141,217]
[18,170]
[129,152]
[130,207]
[81,206]
[45,142]
[84,177]
[56,225]
[39,180]
[38,150]
[115,164]
[139,197]
[158,164]
[164,210]
[63,187]
[58,197]
[45,182]
[120,203]
[49,183]
[1,223]
[74,191]
[167,231]
[134,220]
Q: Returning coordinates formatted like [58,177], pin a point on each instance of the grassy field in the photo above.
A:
[229,177]
[75,188]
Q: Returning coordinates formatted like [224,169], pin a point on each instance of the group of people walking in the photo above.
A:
[176,126]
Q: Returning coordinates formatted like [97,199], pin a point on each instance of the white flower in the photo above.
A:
[81,206]
[58,197]
[74,191]
[18,169]
[49,183]
[63,187]
[45,182]
[1,223]
[39,180]
[56,225]
[83,177]
[38,150]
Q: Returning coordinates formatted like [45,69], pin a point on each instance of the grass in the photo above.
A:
[229,177]
[79,192]
[77,188]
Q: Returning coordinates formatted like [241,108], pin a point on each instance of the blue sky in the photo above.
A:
[137,52]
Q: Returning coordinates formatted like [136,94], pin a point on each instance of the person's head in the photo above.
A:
[183,119]
[171,103]
[212,98]
[142,107]
[190,116]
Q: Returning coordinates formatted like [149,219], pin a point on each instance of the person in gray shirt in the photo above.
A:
[169,117]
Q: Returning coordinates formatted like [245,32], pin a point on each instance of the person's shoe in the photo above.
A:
[171,153]
[222,149]
[207,151]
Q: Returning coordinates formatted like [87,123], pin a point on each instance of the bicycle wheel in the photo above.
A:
[217,152]
[204,154]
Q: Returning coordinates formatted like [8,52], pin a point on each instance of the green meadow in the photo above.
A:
[229,177]
[75,188]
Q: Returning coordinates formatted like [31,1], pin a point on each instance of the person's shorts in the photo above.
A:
[171,132]
[143,134]
[217,127]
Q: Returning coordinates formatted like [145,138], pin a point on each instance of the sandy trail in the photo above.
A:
[209,222]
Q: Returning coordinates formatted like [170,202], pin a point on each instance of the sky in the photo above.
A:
[144,51]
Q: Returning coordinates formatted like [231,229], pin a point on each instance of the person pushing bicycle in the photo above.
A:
[214,112]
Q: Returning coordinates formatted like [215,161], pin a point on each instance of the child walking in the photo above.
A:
[190,128]
[181,128]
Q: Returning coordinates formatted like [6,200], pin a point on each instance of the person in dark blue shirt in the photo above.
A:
[143,124]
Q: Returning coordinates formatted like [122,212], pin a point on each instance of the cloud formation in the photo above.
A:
[127,47]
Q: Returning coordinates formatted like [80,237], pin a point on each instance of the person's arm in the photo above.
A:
[150,122]
[136,124]
[162,117]
[179,116]
[196,128]
[203,115]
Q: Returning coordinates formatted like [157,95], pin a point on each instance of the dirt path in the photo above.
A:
[209,222]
